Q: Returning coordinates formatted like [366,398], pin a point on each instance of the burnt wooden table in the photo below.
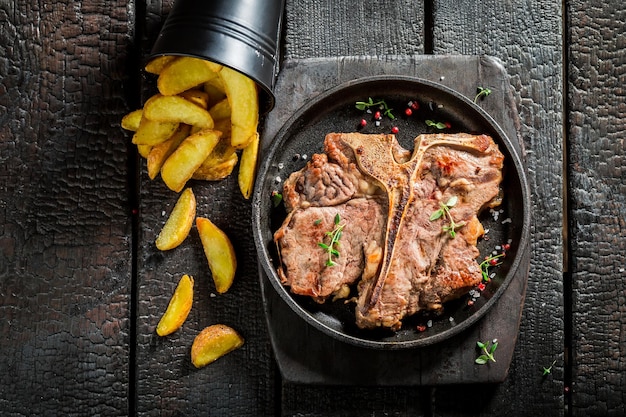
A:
[82,286]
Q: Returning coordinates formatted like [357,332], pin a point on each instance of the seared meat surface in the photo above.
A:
[402,261]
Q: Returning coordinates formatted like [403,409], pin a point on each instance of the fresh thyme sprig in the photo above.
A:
[438,125]
[548,370]
[444,210]
[277,198]
[489,261]
[363,105]
[482,93]
[334,235]
[488,349]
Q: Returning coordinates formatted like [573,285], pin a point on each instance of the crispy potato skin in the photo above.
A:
[219,253]
[179,222]
[196,95]
[178,308]
[212,343]
[188,157]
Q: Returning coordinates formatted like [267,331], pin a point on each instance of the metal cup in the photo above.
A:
[241,34]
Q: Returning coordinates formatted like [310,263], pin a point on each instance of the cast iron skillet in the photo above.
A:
[334,111]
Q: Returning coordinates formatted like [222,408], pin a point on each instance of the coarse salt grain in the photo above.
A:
[507,220]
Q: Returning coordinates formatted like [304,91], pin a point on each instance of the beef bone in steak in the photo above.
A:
[402,261]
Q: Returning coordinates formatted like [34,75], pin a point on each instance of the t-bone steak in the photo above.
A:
[400,260]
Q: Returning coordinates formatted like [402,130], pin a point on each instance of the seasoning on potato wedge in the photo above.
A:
[178,308]
[219,253]
[179,222]
[188,157]
[214,342]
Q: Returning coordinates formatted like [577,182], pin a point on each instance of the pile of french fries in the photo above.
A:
[203,116]
[201,123]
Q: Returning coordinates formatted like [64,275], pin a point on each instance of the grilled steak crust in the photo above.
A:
[403,261]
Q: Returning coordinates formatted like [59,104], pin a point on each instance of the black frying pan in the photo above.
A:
[334,111]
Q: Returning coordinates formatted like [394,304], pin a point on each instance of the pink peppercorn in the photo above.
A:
[395,130]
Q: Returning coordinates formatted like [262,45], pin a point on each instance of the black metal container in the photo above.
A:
[241,34]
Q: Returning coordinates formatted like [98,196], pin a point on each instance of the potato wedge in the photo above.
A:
[219,253]
[178,308]
[220,110]
[185,160]
[185,73]
[224,126]
[156,65]
[244,106]
[158,154]
[176,109]
[215,89]
[219,164]
[212,343]
[247,167]
[179,222]
[131,120]
[197,97]
[144,150]
[152,133]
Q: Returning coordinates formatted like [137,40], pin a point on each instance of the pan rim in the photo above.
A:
[259,199]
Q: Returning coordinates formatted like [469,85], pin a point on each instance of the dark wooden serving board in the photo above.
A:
[307,356]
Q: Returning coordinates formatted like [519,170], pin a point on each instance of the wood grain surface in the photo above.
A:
[65,235]
[82,285]
[534,62]
[597,196]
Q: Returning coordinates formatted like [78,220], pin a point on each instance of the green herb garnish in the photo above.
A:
[334,236]
[487,349]
[438,125]
[482,93]
[444,210]
[277,198]
[363,105]
[548,370]
[489,261]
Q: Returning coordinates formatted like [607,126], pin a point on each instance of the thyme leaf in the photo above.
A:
[334,235]
[364,105]
[438,125]
[444,211]
[482,93]
[488,350]
[548,370]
